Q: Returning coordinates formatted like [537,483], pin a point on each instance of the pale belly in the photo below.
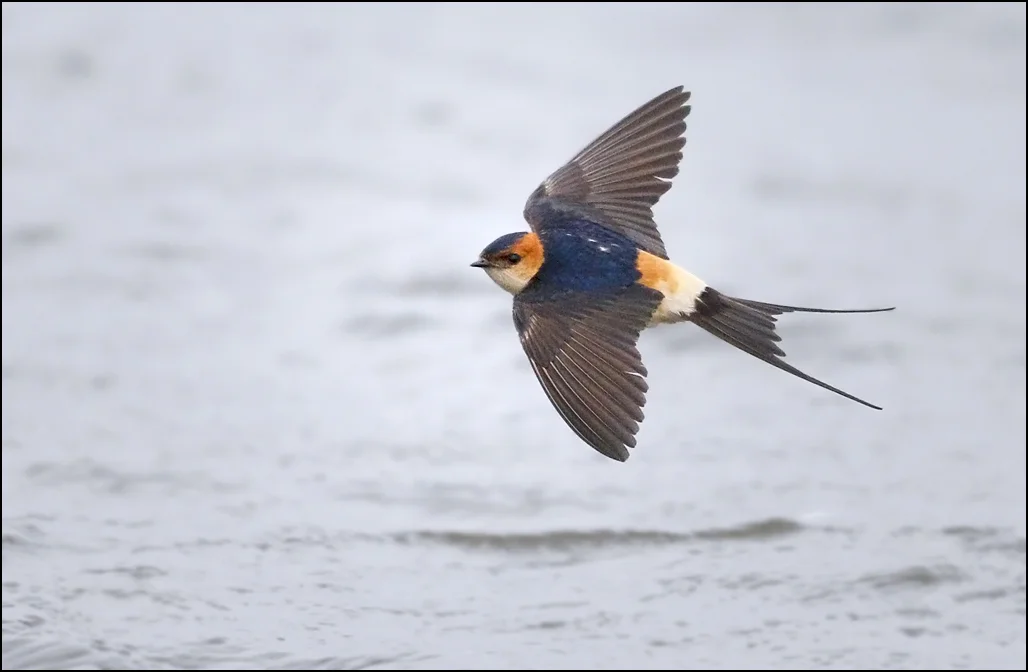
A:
[668,312]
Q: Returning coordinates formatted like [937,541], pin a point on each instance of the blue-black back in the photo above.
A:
[579,255]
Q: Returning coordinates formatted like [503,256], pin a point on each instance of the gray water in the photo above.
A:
[259,412]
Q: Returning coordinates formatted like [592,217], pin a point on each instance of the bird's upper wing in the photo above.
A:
[622,174]
[582,347]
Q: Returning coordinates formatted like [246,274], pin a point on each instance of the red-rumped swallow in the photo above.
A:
[593,273]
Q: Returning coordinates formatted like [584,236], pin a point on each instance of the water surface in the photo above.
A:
[258,411]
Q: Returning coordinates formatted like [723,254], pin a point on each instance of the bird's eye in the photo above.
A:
[513,257]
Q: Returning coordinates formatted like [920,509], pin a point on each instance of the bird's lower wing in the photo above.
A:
[582,348]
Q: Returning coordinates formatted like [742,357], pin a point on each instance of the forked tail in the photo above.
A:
[750,326]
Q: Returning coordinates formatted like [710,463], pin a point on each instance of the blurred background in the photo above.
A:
[259,412]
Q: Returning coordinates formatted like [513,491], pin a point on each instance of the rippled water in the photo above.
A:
[258,411]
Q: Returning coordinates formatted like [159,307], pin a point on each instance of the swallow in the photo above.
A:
[593,273]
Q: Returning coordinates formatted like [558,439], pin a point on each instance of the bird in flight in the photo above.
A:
[593,273]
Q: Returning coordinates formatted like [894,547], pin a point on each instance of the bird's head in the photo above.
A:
[512,260]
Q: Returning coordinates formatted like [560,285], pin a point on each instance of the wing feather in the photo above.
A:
[620,176]
[582,347]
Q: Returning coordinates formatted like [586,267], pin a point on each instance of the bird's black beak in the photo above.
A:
[480,263]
